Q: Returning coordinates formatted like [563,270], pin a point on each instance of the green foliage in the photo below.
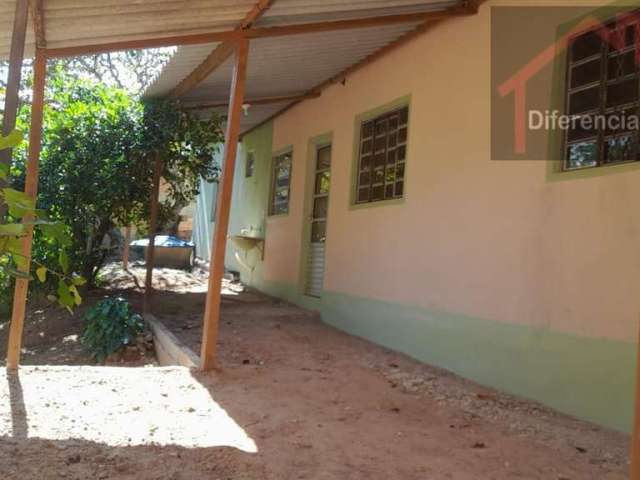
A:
[19,214]
[186,144]
[110,325]
[96,166]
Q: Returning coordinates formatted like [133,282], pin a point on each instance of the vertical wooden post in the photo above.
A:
[153,226]
[225,188]
[31,189]
[634,473]
[12,92]
[125,247]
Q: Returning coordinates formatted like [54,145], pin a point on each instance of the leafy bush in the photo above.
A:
[110,325]
[18,218]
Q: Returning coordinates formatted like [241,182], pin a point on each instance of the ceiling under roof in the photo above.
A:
[293,64]
[278,66]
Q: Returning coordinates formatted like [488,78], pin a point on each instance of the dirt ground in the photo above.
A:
[315,402]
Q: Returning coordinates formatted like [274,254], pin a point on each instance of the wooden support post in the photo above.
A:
[31,189]
[634,473]
[125,248]
[153,226]
[225,188]
[12,92]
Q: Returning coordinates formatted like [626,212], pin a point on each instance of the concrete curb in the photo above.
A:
[170,350]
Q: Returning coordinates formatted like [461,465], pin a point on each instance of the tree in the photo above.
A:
[186,145]
[96,166]
[131,70]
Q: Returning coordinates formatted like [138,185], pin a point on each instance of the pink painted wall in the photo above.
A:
[484,238]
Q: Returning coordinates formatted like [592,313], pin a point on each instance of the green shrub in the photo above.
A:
[110,325]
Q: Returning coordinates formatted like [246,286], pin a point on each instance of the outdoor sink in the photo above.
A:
[246,243]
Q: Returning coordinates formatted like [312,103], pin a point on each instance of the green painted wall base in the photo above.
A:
[587,378]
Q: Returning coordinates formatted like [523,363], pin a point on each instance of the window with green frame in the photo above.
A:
[602,95]
[280,184]
[381,157]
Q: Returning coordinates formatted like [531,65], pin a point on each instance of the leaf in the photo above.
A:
[11,230]
[57,231]
[78,280]
[19,203]
[65,298]
[41,273]
[76,295]
[63,259]
[12,140]
[4,171]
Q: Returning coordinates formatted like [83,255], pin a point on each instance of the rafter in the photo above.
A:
[253,101]
[37,14]
[219,54]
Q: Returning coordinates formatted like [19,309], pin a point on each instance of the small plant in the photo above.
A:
[110,325]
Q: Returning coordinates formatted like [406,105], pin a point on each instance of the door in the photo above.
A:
[318,231]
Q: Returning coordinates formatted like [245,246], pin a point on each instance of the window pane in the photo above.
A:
[324,158]
[318,231]
[586,73]
[249,165]
[404,116]
[401,153]
[586,46]
[584,100]
[582,155]
[367,129]
[367,146]
[365,178]
[363,195]
[323,182]
[400,171]
[622,65]
[390,176]
[621,93]
[377,193]
[388,191]
[581,132]
[280,209]
[320,207]
[280,185]
[619,149]
[402,135]
[399,189]
[378,176]
[391,157]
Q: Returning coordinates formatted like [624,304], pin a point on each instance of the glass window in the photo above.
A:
[382,156]
[281,180]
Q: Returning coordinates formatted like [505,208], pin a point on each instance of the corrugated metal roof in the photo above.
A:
[280,66]
[284,12]
[284,65]
[184,60]
[81,22]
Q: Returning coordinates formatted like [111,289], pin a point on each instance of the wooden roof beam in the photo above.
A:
[254,101]
[37,14]
[218,55]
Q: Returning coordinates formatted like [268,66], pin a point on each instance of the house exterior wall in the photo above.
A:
[494,270]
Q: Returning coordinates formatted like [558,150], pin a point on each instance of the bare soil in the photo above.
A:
[317,403]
